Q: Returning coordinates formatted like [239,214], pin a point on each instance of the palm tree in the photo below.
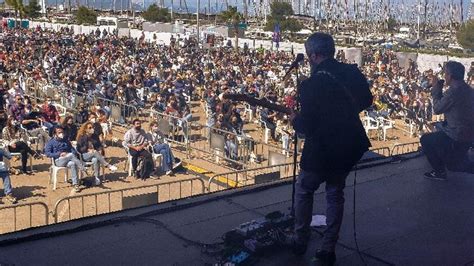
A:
[19,8]
[233,17]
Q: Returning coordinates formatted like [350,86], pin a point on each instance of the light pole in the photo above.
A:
[197,18]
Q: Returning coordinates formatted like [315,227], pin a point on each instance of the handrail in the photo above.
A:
[82,196]
[243,171]
[30,205]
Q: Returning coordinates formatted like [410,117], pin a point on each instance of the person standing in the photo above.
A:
[447,148]
[331,100]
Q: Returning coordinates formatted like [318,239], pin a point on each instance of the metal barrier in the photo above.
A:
[384,151]
[22,217]
[250,177]
[171,125]
[405,148]
[121,199]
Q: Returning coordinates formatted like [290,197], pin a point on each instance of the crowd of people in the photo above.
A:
[103,69]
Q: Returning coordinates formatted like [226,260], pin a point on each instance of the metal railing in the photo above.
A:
[248,177]
[112,201]
[21,216]
[404,148]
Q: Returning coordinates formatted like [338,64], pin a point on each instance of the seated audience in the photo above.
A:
[136,141]
[158,143]
[59,148]
[90,149]
[70,129]
[17,142]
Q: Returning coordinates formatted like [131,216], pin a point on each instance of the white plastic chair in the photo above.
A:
[61,109]
[156,157]
[385,124]
[370,124]
[248,110]
[54,169]
[267,131]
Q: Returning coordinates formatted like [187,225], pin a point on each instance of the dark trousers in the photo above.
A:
[443,152]
[24,150]
[135,154]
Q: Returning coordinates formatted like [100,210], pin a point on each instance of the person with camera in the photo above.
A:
[446,149]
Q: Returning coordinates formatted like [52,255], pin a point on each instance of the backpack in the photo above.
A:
[145,166]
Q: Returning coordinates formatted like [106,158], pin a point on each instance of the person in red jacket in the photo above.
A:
[50,115]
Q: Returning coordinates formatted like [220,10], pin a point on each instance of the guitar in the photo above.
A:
[253,101]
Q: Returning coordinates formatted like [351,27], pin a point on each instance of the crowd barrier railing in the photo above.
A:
[405,148]
[248,177]
[23,216]
[80,206]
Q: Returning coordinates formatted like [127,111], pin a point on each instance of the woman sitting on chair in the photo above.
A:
[157,141]
[70,129]
[17,142]
[89,149]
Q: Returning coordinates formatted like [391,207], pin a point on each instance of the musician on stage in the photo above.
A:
[330,102]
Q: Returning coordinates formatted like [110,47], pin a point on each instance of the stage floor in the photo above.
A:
[402,219]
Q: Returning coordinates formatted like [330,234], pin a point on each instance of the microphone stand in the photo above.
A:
[295,145]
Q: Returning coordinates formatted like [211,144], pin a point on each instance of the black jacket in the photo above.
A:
[331,100]
[86,142]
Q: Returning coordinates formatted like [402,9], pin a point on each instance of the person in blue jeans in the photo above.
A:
[60,149]
[157,141]
[4,174]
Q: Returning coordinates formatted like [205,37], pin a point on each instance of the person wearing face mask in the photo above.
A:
[59,148]
[83,115]
[158,142]
[50,115]
[70,129]
[136,141]
[31,122]
[90,149]
[335,139]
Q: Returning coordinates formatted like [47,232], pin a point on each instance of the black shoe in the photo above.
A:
[26,172]
[326,257]
[441,176]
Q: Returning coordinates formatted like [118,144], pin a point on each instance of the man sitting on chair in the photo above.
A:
[136,141]
[59,148]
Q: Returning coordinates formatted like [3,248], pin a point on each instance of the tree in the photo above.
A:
[281,12]
[156,14]
[233,18]
[33,9]
[465,35]
[391,24]
[85,15]
[18,6]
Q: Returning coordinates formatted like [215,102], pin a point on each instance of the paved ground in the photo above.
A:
[402,219]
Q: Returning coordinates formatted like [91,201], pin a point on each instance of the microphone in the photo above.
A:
[299,58]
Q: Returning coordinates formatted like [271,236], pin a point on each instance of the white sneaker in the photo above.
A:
[113,168]
[97,181]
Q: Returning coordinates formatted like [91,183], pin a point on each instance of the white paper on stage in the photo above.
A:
[318,220]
